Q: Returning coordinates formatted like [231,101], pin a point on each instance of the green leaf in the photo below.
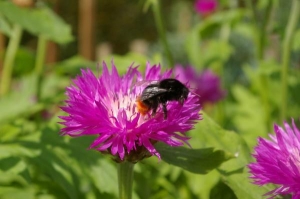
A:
[78,165]
[232,17]
[16,193]
[221,191]
[49,162]
[4,26]
[233,172]
[209,134]
[192,46]
[249,110]
[122,62]
[24,62]
[108,181]
[296,40]
[213,52]
[60,166]
[72,66]
[201,185]
[207,29]
[199,161]
[240,183]
[38,21]
[21,101]
[13,149]
[216,51]
[13,170]
[50,165]
[8,162]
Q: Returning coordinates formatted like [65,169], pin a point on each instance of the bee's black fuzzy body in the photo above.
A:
[162,92]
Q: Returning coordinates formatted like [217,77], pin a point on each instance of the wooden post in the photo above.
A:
[52,47]
[86,28]
[2,49]
[52,53]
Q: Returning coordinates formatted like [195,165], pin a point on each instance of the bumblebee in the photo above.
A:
[160,93]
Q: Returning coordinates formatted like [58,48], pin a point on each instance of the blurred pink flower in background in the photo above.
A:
[205,84]
[205,7]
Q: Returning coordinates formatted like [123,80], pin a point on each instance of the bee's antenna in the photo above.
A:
[195,94]
[188,85]
[192,90]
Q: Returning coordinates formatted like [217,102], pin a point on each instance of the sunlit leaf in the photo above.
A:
[57,171]
[209,134]
[201,185]
[72,65]
[14,172]
[4,26]
[230,17]
[193,47]
[38,21]
[249,111]
[20,102]
[216,51]
[13,149]
[123,62]
[16,193]
[296,40]
[108,180]
[233,172]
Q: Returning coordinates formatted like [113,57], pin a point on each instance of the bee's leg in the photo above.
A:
[165,111]
[154,107]
[182,99]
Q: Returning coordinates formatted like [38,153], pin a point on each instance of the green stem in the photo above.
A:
[224,39]
[286,51]
[263,30]
[9,58]
[265,99]
[39,64]
[263,35]
[250,6]
[161,31]
[125,178]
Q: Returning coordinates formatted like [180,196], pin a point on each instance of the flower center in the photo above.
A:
[122,103]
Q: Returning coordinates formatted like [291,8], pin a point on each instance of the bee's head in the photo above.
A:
[185,93]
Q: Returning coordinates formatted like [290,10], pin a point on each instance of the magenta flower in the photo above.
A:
[106,107]
[205,7]
[278,161]
[207,85]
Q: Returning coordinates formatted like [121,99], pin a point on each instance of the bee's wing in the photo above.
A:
[140,85]
[144,83]
[153,91]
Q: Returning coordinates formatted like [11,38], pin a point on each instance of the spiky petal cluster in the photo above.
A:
[206,84]
[105,106]
[278,161]
[205,7]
